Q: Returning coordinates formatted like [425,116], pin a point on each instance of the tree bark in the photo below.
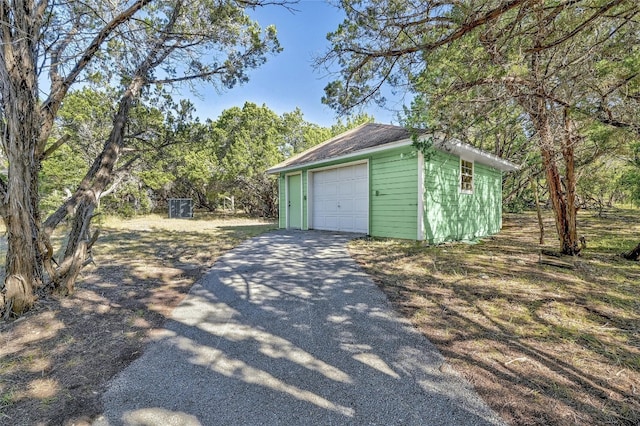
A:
[21,215]
[562,198]
[26,128]
[570,242]
[534,187]
[539,108]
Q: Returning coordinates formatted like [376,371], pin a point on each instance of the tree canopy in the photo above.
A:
[135,44]
[172,153]
[504,75]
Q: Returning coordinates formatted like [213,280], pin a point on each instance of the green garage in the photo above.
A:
[372,180]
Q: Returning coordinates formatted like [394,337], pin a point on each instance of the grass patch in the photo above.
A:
[542,345]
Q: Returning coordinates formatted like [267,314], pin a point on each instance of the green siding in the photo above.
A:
[452,215]
[393,196]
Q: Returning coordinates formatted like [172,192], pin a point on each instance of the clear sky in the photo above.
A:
[288,79]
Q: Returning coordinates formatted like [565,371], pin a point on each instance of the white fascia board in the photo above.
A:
[471,153]
[385,147]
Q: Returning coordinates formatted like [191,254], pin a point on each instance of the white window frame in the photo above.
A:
[463,174]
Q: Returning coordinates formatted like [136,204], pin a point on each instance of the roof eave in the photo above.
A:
[452,146]
[469,152]
[391,145]
[285,164]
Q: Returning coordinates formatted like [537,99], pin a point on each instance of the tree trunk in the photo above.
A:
[534,187]
[25,129]
[541,109]
[87,198]
[20,136]
[565,213]
[24,272]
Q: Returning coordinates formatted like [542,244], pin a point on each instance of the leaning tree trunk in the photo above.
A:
[86,199]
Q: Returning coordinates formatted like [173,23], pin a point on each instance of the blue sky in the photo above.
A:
[288,79]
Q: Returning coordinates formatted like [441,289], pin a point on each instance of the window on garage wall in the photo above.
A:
[466,176]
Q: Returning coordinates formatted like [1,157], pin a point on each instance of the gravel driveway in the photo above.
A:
[286,330]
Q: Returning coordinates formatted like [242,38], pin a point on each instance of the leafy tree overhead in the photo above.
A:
[545,71]
[139,43]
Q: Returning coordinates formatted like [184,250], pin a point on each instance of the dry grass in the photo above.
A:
[55,361]
[543,345]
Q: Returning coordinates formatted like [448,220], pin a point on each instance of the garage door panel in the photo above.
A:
[361,186]
[362,172]
[345,173]
[346,222]
[346,206]
[326,209]
[330,222]
[330,190]
[361,209]
[347,189]
[362,222]
[340,199]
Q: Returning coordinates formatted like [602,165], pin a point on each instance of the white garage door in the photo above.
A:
[340,199]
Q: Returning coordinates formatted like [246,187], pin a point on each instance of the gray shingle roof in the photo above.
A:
[365,136]
[372,135]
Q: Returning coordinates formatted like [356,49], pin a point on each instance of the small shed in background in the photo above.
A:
[181,208]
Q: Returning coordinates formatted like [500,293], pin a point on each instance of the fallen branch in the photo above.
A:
[547,257]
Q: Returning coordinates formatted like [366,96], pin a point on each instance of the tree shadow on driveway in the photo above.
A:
[286,329]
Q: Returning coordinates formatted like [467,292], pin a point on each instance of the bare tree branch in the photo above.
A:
[51,105]
[57,144]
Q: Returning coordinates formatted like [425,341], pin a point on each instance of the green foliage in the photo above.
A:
[60,175]
[248,138]
[478,70]
[601,184]
[629,180]
[156,178]
[351,122]
[173,154]
[424,145]
[131,199]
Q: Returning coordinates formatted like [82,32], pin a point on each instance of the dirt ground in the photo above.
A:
[56,360]
[543,345]
[544,340]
